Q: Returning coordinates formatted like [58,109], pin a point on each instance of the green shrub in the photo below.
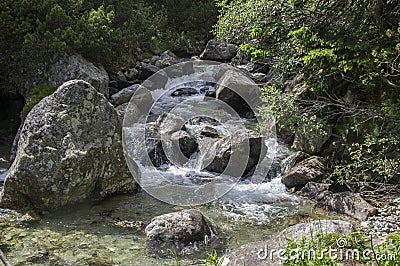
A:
[36,95]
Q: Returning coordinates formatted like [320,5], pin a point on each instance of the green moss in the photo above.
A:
[36,95]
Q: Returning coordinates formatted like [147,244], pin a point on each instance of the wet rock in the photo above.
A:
[70,151]
[184,92]
[184,143]
[156,152]
[219,51]
[230,154]
[186,227]
[168,123]
[260,253]
[124,95]
[311,141]
[311,169]
[210,132]
[239,92]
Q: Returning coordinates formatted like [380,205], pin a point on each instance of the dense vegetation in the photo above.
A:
[340,60]
[107,32]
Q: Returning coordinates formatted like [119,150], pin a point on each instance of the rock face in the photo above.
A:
[219,51]
[70,150]
[231,152]
[311,169]
[124,95]
[63,69]
[186,227]
[260,253]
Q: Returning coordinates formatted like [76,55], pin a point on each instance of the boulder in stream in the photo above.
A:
[186,227]
[70,150]
[229,153]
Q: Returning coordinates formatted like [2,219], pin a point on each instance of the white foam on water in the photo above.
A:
[3,174]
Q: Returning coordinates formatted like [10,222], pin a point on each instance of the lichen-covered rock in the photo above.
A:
[69,151]
[311,169]
[186,227]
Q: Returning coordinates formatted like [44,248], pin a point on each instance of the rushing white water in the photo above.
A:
[3,173]
[261,202]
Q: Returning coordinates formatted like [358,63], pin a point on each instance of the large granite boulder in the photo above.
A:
[219,51]
[62,69]
[70,150]
[267,252]
[311,169]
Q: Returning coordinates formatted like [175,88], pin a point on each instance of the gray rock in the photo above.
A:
[76,67]
[210,132]
[260,253]
[118,80]
[168,123]
[131,74]
[184,143]
[311,169]
[351,204]
[186,226]
[156,152]
[121,110]
[259,77]
[147,70]
[239,92]
[124,95]
[184,92]
[229,153]
[69,151]
[219,51]
[311,142]
[167,59]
